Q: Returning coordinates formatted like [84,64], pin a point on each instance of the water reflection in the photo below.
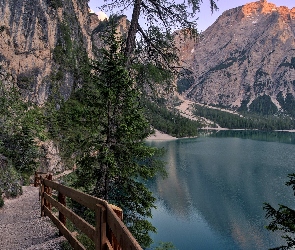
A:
[214,195]
[271,136]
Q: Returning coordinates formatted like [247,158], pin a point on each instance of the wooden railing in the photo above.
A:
[109,231]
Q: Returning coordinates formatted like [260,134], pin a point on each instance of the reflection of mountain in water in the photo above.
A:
[226,180]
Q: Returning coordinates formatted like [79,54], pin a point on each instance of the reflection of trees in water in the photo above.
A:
[274,136]
[173,189]
[227,181]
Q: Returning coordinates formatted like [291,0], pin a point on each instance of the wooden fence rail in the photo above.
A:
[109,232]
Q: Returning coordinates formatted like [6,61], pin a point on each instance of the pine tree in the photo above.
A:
[283,219]
[114,161]
[157,14]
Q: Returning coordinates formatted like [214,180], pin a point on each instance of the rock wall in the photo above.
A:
[50,160]
[97,27]
[44,46]
[30,31]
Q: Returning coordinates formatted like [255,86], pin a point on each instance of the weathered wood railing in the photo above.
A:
[109,233]
[37,180]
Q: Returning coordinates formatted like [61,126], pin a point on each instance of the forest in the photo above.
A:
[245,120]
[170,121]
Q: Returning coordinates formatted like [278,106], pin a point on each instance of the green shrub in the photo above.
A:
[165,246]
[10,181]
[55,4]
[1,200]
[66,246]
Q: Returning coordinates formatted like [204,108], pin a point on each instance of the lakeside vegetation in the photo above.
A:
[169,121]
[245,120]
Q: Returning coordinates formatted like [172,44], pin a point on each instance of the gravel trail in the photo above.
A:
[22,227]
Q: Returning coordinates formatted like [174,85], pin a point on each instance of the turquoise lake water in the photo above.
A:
[217,184]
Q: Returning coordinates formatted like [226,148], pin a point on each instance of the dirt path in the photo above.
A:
[22,227]
[55,177]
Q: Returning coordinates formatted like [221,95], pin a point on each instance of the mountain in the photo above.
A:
[244,60]
[44,44]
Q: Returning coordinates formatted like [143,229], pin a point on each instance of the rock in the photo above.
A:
[51,160]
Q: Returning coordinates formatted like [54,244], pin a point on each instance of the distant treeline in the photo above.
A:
[248,121]
[170,122]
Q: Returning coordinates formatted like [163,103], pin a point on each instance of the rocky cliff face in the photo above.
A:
[249,52]
[122,29]
[45,47]
[39,43]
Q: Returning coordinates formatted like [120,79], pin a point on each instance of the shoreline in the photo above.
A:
[160,136]
[290,131]
[244,129]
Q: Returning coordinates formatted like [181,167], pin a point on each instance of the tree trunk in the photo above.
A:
[130,43]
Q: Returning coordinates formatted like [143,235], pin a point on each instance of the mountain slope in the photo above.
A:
[42,45]
[246,59]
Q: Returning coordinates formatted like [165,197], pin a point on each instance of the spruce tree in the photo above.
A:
[113,160]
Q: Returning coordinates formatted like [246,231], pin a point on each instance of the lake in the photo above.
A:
[217,184]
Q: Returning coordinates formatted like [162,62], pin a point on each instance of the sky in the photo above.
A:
[205,16]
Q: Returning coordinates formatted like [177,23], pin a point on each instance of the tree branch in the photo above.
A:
[130,43]
[149,42]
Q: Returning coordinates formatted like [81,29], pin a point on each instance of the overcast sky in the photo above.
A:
[205,16]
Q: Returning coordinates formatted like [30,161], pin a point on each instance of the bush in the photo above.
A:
[10,181]
[1,200]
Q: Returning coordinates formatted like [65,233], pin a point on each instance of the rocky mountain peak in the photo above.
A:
[264,7]
[246,54]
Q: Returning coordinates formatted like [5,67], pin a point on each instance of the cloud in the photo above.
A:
[101,15]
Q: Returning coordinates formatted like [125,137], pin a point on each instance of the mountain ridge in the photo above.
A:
[246,54]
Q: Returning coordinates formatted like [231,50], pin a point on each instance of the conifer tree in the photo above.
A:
[150,37]
[162,14]
[114,160]
[283,219]
[20,124]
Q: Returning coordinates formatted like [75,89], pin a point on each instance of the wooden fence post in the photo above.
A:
[48,191]
[42,195]
[115,242]
[35,180]
[62,217]
[100,228]
[46,202]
